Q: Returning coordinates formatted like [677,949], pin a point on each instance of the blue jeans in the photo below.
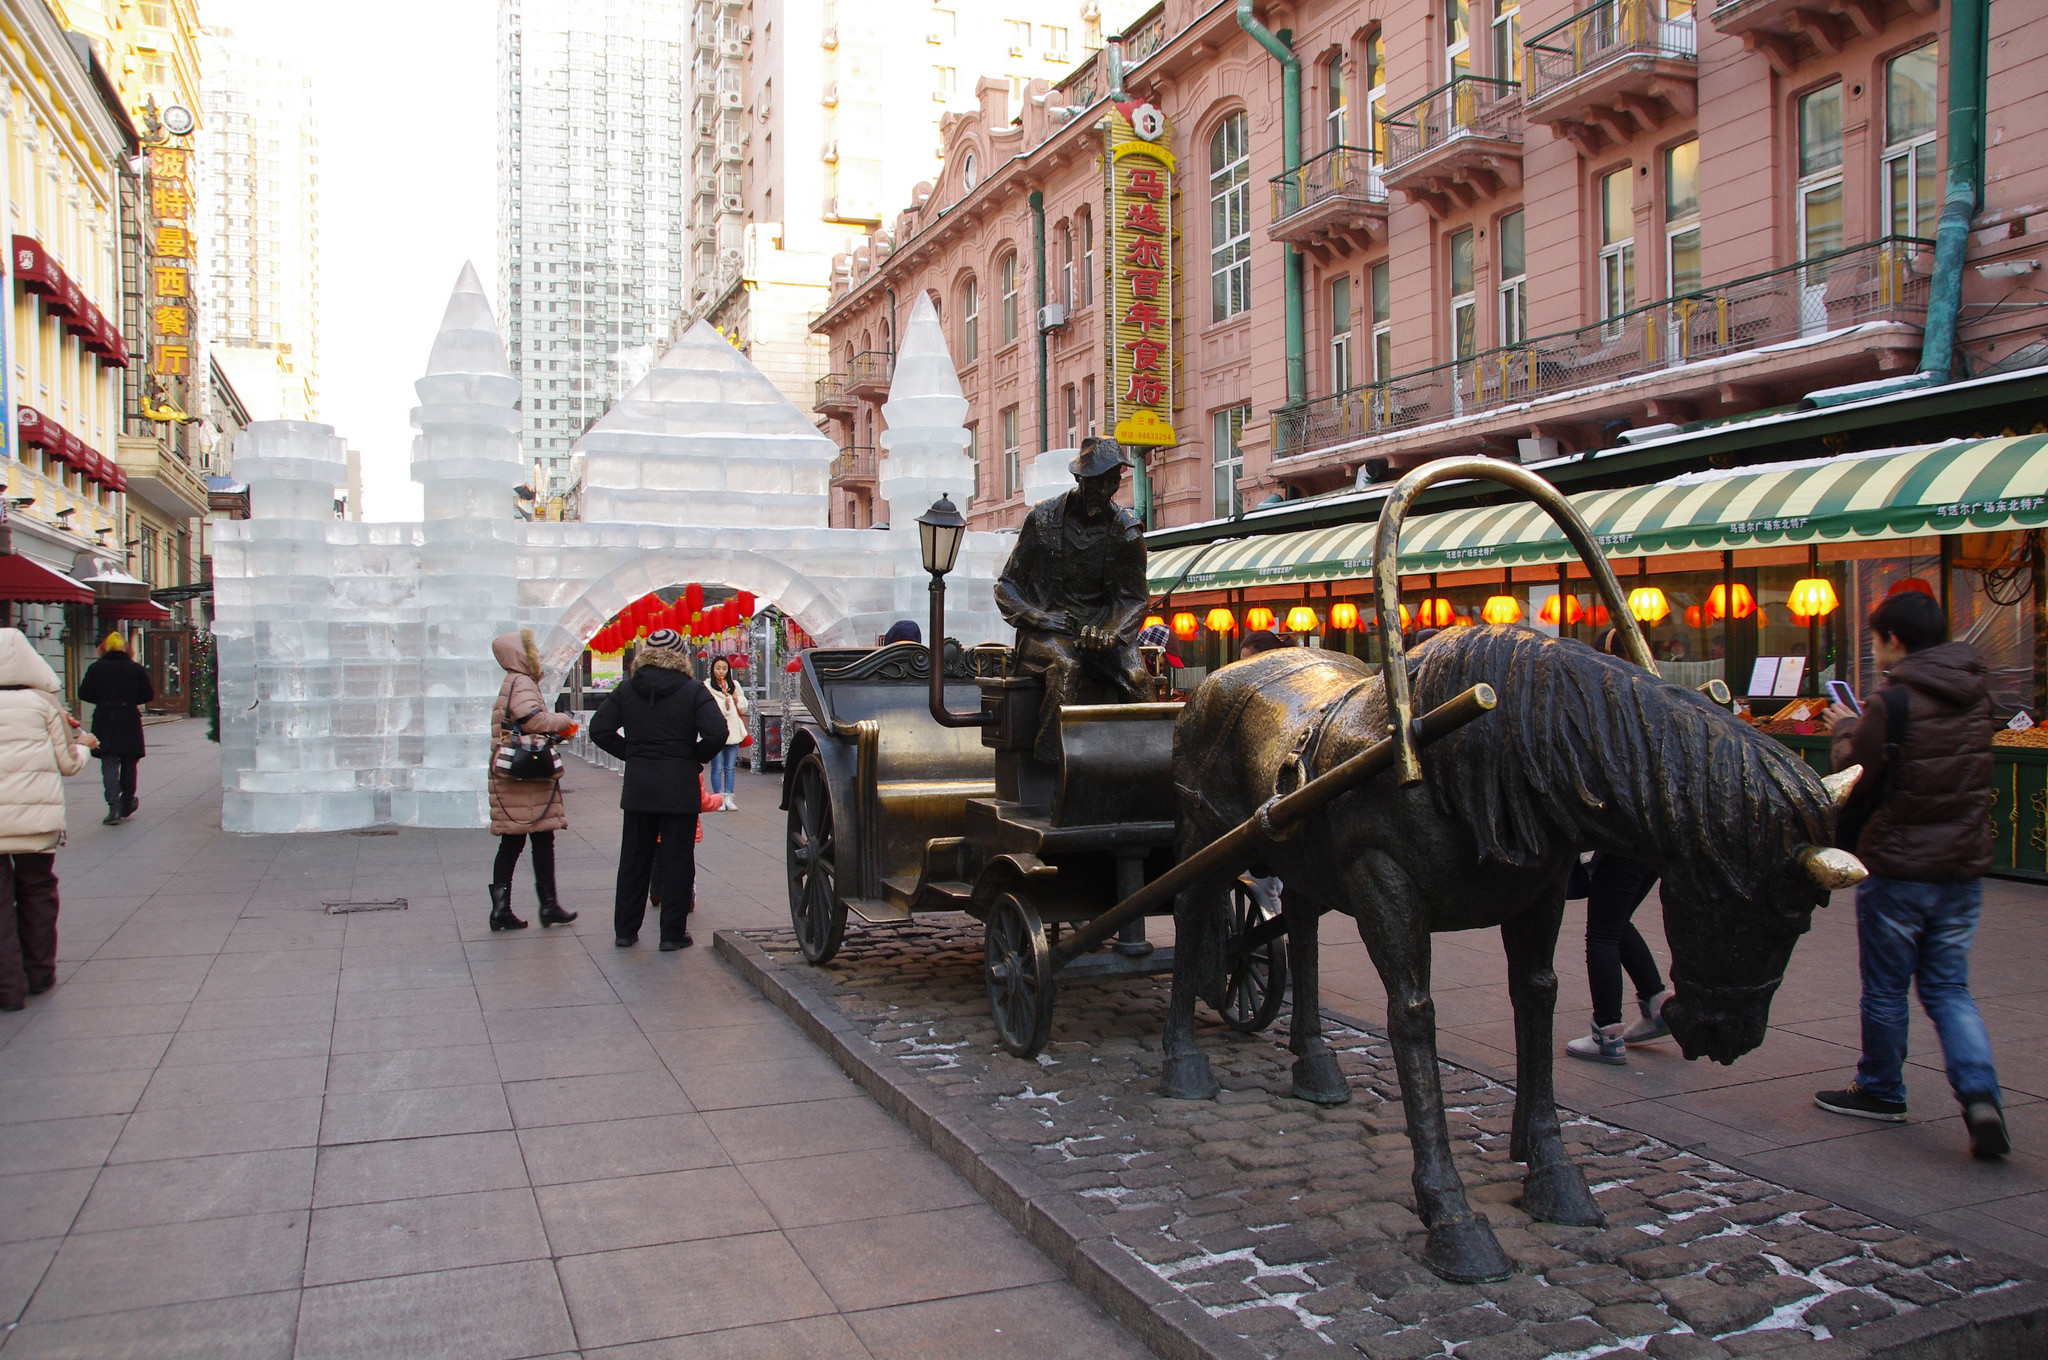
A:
[721,769]
[1906,932]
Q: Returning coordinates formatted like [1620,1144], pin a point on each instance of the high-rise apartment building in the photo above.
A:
[591,161]
[259,200]
[812,120]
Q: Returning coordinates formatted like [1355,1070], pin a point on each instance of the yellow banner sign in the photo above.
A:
[1139,235]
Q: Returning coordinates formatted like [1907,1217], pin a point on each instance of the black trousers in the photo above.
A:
[677,871]
[28,925]
[543,859]
[1619,886]
[117,776]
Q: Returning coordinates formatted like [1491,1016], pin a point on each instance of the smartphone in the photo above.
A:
[1839,691]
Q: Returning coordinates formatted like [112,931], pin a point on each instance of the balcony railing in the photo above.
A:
[831,394]
[868,374]
[1468,106]
[854,464]
[1884,280]
[1343,172]
[1607,32]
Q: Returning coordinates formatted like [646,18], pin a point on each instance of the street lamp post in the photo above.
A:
[939,534]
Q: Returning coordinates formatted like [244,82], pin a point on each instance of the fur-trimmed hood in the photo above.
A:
[21,666]
[517,652]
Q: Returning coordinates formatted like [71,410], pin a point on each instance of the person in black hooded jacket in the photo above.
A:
[664,725]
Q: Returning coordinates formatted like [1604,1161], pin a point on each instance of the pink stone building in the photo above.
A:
[1523,228]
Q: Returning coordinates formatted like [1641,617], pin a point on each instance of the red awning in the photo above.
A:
[68,450]
[113,345]
[34,583]
[33,267]
[134,611]
[38,430]
[116,479]
[75,308]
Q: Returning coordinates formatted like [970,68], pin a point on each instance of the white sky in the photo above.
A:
[404,92]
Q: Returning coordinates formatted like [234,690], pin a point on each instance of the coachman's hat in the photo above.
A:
[1098,455]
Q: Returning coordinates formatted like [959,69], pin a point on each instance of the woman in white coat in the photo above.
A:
[39,745]
[731,698]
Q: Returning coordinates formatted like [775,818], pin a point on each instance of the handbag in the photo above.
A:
[528,756]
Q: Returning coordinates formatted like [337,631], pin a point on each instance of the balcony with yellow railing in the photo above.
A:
[855,463]
[1331,204]
[1616,69]
[867,376]
[1458,144]
[832,398]
[1660,353]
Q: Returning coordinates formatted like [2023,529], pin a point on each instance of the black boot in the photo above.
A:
[501,909]
[551,913]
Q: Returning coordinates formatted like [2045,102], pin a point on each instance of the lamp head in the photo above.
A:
[939,532]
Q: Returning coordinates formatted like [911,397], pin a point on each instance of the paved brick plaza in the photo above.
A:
[243,1127]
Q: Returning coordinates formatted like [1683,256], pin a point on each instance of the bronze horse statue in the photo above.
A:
[1584,752]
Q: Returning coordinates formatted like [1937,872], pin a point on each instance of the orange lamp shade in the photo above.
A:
[1302,619]
[1406,618]
[1812,598]
[1258,619]
[1648,604]
[1695,616]
[1344,616]
[1184,625]
[1502,609]
[1152,621]
[1435,613]
[1910,583]
[1599,618]
[1221,620]
[1566,607]
[1461,621]
[1725,603]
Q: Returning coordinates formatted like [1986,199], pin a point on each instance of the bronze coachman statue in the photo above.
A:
[1075,590]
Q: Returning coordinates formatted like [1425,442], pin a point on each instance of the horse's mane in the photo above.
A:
[1585,747]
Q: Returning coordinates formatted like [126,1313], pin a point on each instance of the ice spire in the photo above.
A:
[926,443]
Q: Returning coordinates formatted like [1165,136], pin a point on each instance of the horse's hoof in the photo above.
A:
[1186,1076]
[1557,1193]
[1318,1080]
[1464,1252]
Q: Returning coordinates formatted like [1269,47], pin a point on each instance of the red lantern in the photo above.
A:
[746,602]
[693,598]
[1908,583]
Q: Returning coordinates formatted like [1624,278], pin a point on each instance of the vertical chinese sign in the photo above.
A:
[172,253]
[1139,228]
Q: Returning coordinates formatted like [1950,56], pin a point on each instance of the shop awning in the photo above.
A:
[28,581]
[38,430]
[1972,486]
[134,611]
[34,270]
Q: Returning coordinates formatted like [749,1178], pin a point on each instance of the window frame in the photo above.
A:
[1616,258]
[1681,223]
[1087,297]
[970,320]
[1506,19]
[1013,450]
[1008,285]
[1464,302]
[1227,468]
[1909,151]
[1337,108]
[1512,289]
[1380,288]
[1811,185]
[1339,293]
[1376,98]
[1230,199]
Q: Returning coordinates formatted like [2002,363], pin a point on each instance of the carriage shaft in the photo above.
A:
[1234,847]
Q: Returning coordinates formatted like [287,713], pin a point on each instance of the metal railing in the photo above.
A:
[855,462]
[1883,280]
[1467,106]
[870,368]
[1606,32]
[830,390]
[1349,172]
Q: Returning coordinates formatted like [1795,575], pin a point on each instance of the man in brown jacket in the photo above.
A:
[1927,846]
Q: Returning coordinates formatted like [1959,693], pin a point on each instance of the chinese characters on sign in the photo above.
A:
[1139,223]
[170,315]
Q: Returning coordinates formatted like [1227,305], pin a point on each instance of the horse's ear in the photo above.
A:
[1831,868]
[1840,784]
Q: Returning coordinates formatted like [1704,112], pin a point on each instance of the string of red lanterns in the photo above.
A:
[686,615]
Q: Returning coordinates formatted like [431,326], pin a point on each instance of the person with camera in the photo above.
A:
[525,781]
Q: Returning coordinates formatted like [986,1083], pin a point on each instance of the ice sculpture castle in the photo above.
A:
[356,677]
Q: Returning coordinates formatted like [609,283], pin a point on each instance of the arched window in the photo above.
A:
[970,172]
[1336,108]
[1006,272]
[1066,235]
[1230,218]
[1086,297]
[970,322]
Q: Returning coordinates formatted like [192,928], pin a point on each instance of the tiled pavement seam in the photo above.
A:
[243,1127]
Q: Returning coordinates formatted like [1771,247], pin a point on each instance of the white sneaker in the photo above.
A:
[730,805]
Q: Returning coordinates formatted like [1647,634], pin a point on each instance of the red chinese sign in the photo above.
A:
[1139,231]
[170,173]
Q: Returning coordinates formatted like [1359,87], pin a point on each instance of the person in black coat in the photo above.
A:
[665,726]
[117,689]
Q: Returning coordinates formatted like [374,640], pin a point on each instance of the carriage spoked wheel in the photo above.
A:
[1019,971]
[815,908]
[1258,977]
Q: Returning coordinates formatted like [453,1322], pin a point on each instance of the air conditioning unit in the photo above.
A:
[729,203]
[1051,55]
[935,39]
[730,256]
[746,32]
[829,97]
[707,185]
[829,39]
[1052,316]
[731,153]
[830,155]
[733,48]
[705,39]
[1541,450]
[730,99]
[1016,51]
[938,96]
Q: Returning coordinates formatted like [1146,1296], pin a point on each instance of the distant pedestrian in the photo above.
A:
[1257,641]
[666,727]
[117,689]
[903,630]
[524,809]
[1924,742]
[731,698]
[38,747]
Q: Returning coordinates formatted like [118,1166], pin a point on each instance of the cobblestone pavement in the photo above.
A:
[1294,1226]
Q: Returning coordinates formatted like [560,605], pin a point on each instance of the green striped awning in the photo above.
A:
[1963,486]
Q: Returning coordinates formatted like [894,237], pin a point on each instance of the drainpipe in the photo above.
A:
[1967,58]
[891,293]
[1290,132]
[1037,202]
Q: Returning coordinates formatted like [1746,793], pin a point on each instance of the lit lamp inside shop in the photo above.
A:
[1812,598]
[1258,619]
[1302,619]
[1152,621]
[1344,617]
[1185,626]
[1647,604]
[1564,606]
[1909,583]
[1724,603]
[1435,613]
[1221,620]
[1501,610]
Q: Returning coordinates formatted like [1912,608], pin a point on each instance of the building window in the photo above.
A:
[1457,38]
[1376,97]
[970,322]
[149,551]
[1507,40]
[1073,404]
[1230,218]
[1067,265]
[1382,288]
[974,456]
[1617,243]
[1230,460]
[1055,42]
[1514,280]
[1336,115]
[1006,272]
[1464,305]
[1909,146]
[1013,454]
[1820,172]
[970,174]
[1088,403]
[1682,218]
[1340,333]
[1087,297]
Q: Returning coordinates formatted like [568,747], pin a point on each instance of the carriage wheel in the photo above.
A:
[1258,980]
[811,857]
[1019,975]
